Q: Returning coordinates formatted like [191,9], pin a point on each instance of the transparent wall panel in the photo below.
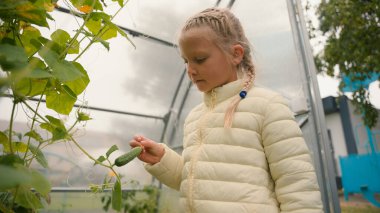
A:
[70,167]
[150,81]
[160,19]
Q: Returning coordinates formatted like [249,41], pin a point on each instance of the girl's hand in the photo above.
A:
[152,151]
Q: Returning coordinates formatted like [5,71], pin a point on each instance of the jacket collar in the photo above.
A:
[219,94]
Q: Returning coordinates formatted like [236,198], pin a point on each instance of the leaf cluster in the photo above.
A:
[33,66]
[135,201]
[352,29]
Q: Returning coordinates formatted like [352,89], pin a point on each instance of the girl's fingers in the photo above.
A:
[134,143]
[139,138]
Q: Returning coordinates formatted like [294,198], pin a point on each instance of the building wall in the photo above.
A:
[334,124]
[354,133]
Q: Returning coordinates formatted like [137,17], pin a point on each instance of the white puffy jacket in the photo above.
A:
[261,164]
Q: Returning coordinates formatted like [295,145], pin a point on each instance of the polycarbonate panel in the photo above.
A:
[268,28]
[144,80]
[160,19]
[127,78]
[70,167]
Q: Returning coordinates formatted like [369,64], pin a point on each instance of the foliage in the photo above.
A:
[352,29]
[33,65]
[135,200]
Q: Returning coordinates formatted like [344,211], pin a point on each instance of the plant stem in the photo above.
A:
[27,105]
[14,197]
[33,156]
[77,33]
[73,126]
[85,49]
[100,33]
[32,126]
[88,155]
[11,127]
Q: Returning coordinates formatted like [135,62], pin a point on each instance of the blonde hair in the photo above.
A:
[228,31]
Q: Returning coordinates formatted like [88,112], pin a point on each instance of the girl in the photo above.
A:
[243,151]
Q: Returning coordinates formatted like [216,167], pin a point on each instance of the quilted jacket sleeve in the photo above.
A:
[289,160]
[169,169]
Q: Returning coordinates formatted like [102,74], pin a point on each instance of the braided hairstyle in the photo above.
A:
[228,31]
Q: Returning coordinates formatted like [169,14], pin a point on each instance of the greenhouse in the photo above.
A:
[132,81]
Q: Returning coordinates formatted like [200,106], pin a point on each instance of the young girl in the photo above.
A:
[243,151]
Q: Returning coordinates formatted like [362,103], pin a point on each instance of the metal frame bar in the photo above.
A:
[99,109]
[329,188]
[133,33]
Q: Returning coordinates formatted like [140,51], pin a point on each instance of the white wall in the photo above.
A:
[334,124]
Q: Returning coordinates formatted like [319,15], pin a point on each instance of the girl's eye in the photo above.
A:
[200,60]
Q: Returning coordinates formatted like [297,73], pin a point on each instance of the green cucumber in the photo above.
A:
[128,157]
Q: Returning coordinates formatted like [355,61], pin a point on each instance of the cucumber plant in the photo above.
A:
[39,67]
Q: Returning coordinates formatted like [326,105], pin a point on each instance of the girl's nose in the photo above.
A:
[190,69]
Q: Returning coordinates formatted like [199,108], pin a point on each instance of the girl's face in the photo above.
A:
[208,66]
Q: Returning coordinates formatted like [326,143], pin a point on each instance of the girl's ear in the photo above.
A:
[237,54]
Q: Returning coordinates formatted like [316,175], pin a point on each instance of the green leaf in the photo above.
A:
[55,127]
[46,44]
[11,177]
[10,160]
[100,16]
[80,3]
[39,156]
[30,86]
[110,150]
[110,31]
[61,37]
[121,2]
[59,134]
[74,48]
[27,198]
[100,159]
[61,69]
[56,122]
[12,58]
[122,32]
[32,13]
[40,183]
[83,116]
[61,100]
[116,196]
[21,176]
[23,10]
[105,44]
[29,39]
[80,84]
[39,73]
[4,141]
[19,147]
[16,147]
[47,126]
[33,134]
[94,25]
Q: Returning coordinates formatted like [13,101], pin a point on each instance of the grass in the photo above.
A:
[360,209]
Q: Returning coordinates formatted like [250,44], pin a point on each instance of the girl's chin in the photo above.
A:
[202,87]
